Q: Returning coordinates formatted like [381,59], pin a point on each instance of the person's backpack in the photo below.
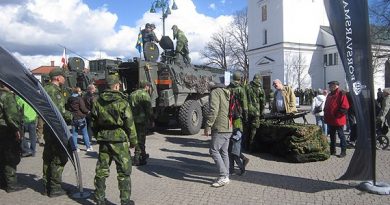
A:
[318,109]
[235,109]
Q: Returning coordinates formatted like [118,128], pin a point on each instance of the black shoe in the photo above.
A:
[14,188]
[27,154]
[135,161]
[57,193]
[245,162]
[343,153]
[142,162]
[130,202]
[242,172]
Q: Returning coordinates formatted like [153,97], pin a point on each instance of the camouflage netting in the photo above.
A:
[296,142]
[200,84]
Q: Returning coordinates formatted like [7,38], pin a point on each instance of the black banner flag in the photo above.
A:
[349,23]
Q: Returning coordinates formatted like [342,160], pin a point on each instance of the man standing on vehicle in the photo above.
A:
[221,130]
[181,44]
[141,107]
[284,98]
[114,130]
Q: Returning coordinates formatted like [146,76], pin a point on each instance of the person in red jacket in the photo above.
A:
[335,114]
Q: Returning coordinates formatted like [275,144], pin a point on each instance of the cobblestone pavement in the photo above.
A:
[180,171]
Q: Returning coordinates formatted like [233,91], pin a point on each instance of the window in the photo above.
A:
[265,37]
[331,59]
[264,13]
[335,59]
[325,59]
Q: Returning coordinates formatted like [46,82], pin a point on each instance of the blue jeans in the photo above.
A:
[80,124]
[340,132]
[321,122]
[31,128]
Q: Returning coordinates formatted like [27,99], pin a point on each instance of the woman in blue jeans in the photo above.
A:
[76,106]
[317,108]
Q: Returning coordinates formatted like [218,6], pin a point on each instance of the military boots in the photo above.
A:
[14,188]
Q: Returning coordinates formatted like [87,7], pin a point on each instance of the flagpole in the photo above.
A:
[140,53]
[372,94]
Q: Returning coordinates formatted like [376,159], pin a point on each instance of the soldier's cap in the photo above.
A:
[112,80]
[143,83]
[147,25]
[56,72]
[174,27]
[257,76]
[334,82]
[152,26]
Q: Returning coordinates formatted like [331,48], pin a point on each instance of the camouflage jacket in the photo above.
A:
[218,118]
[148,36]
[11,115]
[238,90]
[58,96]
[112,119]
[181,41]
[256,99]
[141,106]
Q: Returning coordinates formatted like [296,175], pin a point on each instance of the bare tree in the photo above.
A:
[238,34]
[296,70]
[380,17]
[217,50]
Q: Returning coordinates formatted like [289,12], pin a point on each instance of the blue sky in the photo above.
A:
[129,11]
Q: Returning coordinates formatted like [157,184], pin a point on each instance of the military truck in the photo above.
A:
[180,91]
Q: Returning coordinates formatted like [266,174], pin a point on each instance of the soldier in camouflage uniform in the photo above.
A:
[238,90]
[54,158]
[141,107]
[181,44]
[113,125]
[256,104]
[11,121]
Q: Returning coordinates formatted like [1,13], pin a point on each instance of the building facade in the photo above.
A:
[291,40]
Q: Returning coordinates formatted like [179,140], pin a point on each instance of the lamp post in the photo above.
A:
[164,6]
[324,75]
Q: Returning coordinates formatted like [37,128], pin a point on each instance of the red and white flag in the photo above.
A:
[64,61]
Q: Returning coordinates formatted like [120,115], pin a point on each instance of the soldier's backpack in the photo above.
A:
[235,109]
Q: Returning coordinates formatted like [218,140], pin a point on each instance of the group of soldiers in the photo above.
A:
[119,122]
[252,101]
[305,96]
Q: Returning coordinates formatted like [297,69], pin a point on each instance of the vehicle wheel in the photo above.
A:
[205,113]
[190,117]
[382,142]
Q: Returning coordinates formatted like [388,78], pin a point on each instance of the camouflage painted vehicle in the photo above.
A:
[180,91]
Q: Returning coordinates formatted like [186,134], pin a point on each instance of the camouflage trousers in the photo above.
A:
[253,125]
[140,152]
[119,152]
[54,160]
[40,130]
[9,159]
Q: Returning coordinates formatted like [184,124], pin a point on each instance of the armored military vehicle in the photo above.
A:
[180,91]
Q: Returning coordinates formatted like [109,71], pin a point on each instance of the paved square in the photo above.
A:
[180,171]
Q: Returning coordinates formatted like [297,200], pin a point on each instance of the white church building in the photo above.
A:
[291,40]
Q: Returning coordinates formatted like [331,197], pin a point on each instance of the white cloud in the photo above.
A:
[213,6]
[33,30]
